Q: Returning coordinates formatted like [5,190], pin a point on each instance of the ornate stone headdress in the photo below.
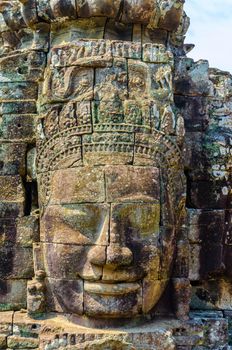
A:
[108,98]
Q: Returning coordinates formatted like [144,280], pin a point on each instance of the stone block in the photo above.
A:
[137,33]
[16,342]
[157,35]
[195,112]
[11,209]
[210,194]
[194,262]
[214,294]
[140,115]
[228,227]
[181,265]
[18,91]
[167,234]
[12,158]
[132,183]
[8,232]
[26,327]
[3,343]
[217,333]
[193,152]
[25,66]
[181,297]
[222,83]
[94,8]
[205,260]
[78,185]
[6,318]
[205,314]
[206,226]
[83,28]
[59,10]
[18,127]
[13,294]
[18,107]
[216,151]
[64,295]
[16,262]
[82,224]
[187,341]
[116,31]
[11,189]
[27,230]
[171,16]
[205,217]
[228,259]
[192,78]
[139,11]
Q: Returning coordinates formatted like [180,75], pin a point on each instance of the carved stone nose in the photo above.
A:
[97,255]
[116,255]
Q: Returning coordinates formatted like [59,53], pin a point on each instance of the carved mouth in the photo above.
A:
[110,289]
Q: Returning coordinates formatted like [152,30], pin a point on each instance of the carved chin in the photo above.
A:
[111,306]
[112,300]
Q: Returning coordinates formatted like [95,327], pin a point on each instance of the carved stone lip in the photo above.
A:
[110,288]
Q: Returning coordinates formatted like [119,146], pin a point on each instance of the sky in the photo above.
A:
[211,31]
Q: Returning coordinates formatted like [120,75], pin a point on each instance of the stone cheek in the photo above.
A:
[83,224]
[64,294]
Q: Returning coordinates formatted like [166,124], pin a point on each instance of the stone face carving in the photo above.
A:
[115,179]
[106,173]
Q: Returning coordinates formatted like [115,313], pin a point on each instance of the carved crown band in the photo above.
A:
[72,148]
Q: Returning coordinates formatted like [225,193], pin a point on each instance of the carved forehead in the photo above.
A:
[105,183]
